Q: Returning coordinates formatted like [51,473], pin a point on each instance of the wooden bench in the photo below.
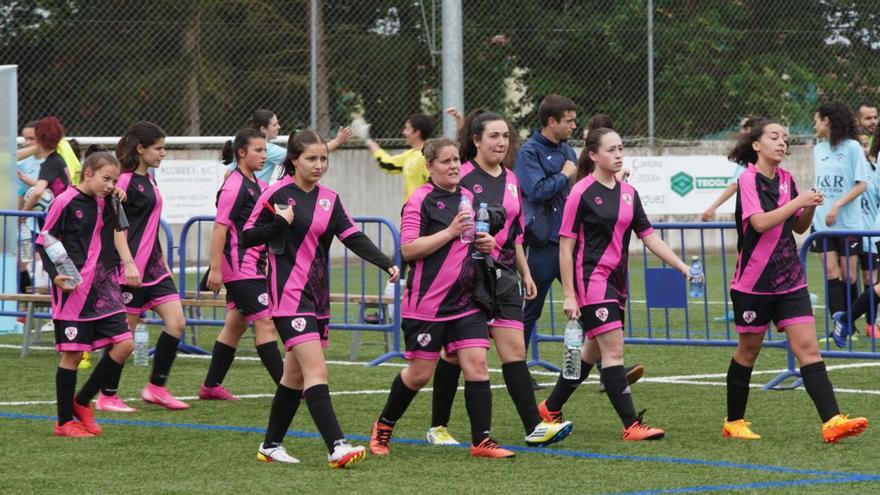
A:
[192,300]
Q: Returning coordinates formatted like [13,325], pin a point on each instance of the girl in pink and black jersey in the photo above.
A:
[242,270]
[484,143]
[54,175]
[141,148]
[769,283]
[90,315]
[601,213]
[298,218]
[439,311]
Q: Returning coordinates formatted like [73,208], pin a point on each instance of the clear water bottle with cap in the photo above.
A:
[25,243]
[481,224]
[698,280]
[58,255]
[467,235]
[141,345]
[572,340]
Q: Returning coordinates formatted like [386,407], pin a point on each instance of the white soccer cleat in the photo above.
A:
[547,433]
[275,454]
[439,435]
[345,455]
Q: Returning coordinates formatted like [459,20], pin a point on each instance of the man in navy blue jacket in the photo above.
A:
[545,167]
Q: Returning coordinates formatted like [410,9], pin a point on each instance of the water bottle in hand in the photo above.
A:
[276,245]
[572,341]
[141,345]
[481,225]
[58,255]
[121,219]
[25,243]
[698,280]
[467,236]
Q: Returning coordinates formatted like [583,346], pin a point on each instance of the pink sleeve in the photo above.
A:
[571,215]
[748,196]
[225,201]
[411,219]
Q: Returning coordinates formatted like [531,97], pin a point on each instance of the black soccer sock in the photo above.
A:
[564,387]
[853,292]
[819,387]
[478,401]
[284,406]
[221,360]
[321,409]
[271,358]
[399,399]
[446,376]
[519,386]
[65,386]
[166,351]
[614,378]
[863,304]
[111,386]
[738,379]
[104,371]
[836,296]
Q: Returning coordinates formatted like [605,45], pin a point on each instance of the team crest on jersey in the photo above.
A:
[298,324]
[424,339]
[263,299]
[79,214]
[291,202]
[597,200]
[783,188]
[441,205]
[127,297]
[70,333]
[251,192]
[478,188]
[749,316]
[141,187]
[628,199]
[512,189]
[602,314]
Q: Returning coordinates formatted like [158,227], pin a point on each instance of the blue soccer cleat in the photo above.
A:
[842,329]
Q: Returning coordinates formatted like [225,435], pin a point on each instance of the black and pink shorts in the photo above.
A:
[250,297]
[87,336]
[753,312]
[424,339]
[295,330]
[140,299]
[600,318]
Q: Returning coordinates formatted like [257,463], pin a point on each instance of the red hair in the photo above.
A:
[49,132]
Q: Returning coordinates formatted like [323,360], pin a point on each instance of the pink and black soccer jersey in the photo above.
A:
[501,191]
[299,283]
[601,221]
[54,171]
[85,226]
[143,207]
[768,263]
[235,203]
[440,286]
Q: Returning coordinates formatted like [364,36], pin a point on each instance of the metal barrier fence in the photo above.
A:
[660,297]
[854,349]
[190,274]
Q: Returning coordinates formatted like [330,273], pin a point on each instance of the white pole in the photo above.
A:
[453,64]
[313,65]
[651,73]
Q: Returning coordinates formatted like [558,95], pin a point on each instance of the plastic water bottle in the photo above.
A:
[572,341]
[467,236]
[121,219]
[25,243]
[698,281]
[276,245]
[58,255]
[481,224]
[141,345]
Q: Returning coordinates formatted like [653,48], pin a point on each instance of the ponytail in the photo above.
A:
[260,118]
[142,133]
[473,126]
[296,145]
[229,154]
[585,164]
[743,153]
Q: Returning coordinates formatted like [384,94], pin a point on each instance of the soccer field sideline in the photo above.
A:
[693,380]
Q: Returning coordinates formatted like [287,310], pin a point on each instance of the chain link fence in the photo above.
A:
[200,67]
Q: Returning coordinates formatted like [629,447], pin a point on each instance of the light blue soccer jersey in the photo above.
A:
[30,166]
[736,173]
[274,156]
[837,170]
[870,204]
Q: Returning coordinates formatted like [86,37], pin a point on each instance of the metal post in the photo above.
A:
[651,73]
[313,65]
[452,60]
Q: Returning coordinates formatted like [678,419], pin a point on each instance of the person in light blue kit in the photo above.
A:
[841,173]
[28,168]
[266,122]
[869,259]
